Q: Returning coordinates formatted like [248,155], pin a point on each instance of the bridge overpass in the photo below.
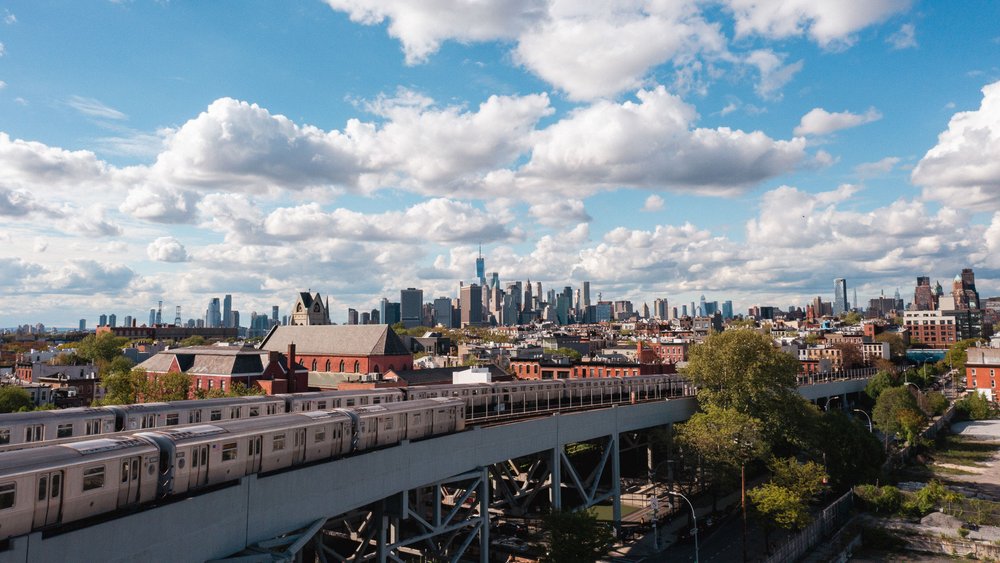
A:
[273,517]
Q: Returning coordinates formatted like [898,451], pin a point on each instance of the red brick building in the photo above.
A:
[664,352]
[219,367]
[934,329]
[982,367]
[342,349]
[542,368]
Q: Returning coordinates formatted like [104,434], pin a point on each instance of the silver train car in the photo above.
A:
[51,485]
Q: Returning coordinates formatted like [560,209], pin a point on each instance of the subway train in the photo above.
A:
[483,400]
[51,485]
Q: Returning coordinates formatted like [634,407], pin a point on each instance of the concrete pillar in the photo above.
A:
[555,491]
[484,511]
[616,479]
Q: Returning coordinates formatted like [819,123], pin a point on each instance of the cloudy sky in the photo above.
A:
[750,150]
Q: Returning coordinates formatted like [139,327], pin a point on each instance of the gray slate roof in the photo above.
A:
[336,340]
[209,360]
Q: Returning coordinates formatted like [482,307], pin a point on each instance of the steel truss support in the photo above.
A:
[515,489]
[588,488]
[438,522]
[286,548]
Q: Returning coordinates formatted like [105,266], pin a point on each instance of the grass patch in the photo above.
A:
[958,451]
[940,470]
[605,512]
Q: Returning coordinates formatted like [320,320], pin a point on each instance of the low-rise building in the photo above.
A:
[219,367]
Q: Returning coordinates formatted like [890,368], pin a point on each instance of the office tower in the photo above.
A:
[152,317]
[102,320]
[213,314]
[527,305]
[235,315]
[481,268]
[494,279]
[472,305]
[694,310]
[673,312]
[840,296]
[562,307]
[727,310]
[442,312]
[964,291]
[577,302]
[924,297]
[538,294]
[702,311]
[604,312]
[112,320]
[661,309]
[227,311]
[684,310]
[366,318]
[373,317]
[411,303]
[645,310]
[586,294]
[83,325]
[128,320]
[352,316]
[274,314]
[388,312]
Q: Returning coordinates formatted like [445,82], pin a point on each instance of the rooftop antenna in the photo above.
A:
[177,315]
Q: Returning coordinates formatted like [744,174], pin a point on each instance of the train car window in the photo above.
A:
[321,405]
[216,414]
[388,423]
[173,419]
[8,492]
[64,430]
[93,426]
[93,478]
[149,421]
[33,433]
[350,402]
[319,436]
[279,442]
[229,451]
[376,400]
[4,435]
[254,411]
[43,487]
[125,471]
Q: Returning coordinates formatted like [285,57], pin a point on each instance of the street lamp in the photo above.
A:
[694,520]
[654,503]
[868,417]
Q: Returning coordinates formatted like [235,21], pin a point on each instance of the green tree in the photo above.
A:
[851,454]
[850,354]
[100,348]
[807,480]
[975,406]
[880,382]
[724,437]
[173,386]
[576,537]
[125,388]
[852,318]
[743,370]
[193,340]
[896,411]
[775,505]
[15,399]
[569,353]
[958,354]
[897,347]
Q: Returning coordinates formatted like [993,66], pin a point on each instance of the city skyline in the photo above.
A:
[749,153]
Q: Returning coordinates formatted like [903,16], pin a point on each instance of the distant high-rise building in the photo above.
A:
[494,279]
[924,297]
[411,304]
[480,268]
[374,317]
[538,294]
[128,320]
[964,291]
[442,312]
[727,309]
[235,315]
[840,296]
[586,294]
[352,316]
[102,320]
[152,317]
[213,314]
[388,312]
[604,312]
[684,310]
[83,325]
[472,305]
[661,309]
[274,315]
[112,320]
[527,305]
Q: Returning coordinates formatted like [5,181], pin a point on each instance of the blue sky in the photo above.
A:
[750,151]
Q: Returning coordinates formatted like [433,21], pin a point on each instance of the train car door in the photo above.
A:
[298,445]
[254,456]
[48,501]
[128,488]
[199,466]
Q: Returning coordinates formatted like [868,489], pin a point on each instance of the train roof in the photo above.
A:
[21,461]
[201,403]
[240,427]
[37,416]
[342,393]
[403,406]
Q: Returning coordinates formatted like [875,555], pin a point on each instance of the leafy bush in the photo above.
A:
[880,500]
[963,532]
[975,406]
[937,403]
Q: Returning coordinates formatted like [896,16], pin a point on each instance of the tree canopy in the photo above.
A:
[100,348]
[896,411]
[15,399]
[576,537]
[724,437]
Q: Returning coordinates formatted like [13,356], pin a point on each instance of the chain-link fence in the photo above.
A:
[824,526]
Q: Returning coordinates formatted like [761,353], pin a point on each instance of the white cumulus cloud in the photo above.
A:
[962,169]
[167,249]
[821,122]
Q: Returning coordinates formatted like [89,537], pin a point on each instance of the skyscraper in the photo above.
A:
[102,320]
[840,296]
[442,312]
[661,309]
[924,298]
[727,310]
[352,316]
[481,268]
[227,311]
[152,317]
[112,320]
[586,294]
[411,303]
[388,312]
[472,305]
[527,305]
[274,315]
[964,291]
